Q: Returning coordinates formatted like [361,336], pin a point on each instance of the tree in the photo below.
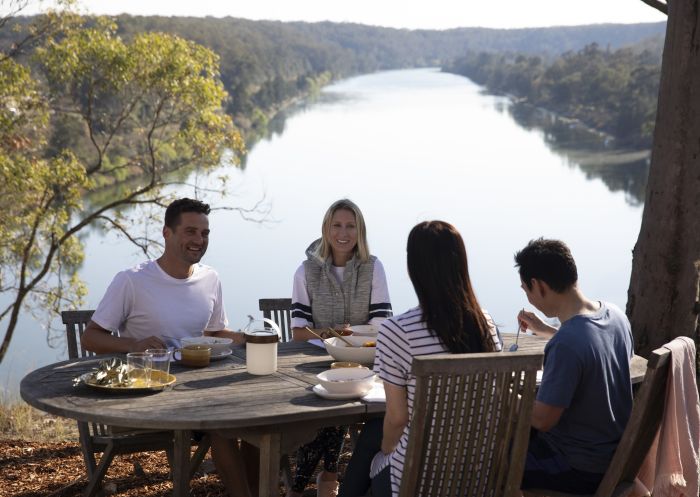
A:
[663,292]
[146,111]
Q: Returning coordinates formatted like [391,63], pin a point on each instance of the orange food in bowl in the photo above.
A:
[370,344]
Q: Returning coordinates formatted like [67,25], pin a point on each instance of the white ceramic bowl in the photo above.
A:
[356,381]
[364,330]
[218,345]
[341,352]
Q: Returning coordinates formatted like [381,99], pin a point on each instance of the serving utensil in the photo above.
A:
[338,335]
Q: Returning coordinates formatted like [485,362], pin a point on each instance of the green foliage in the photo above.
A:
[613,91]
[138,111]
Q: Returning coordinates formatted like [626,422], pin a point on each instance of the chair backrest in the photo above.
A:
[279,310]
[641,428]
[75,322]
[470,424]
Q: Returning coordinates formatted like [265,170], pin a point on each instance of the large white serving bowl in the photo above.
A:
[218,345]
[364,330]
[356,381]
[342,352]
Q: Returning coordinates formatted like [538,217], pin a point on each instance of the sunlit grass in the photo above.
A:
[19,420]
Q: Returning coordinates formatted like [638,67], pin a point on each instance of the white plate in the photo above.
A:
[221,355]
[364,330]
[322,392]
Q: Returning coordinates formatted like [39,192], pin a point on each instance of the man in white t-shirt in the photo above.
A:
[160,301]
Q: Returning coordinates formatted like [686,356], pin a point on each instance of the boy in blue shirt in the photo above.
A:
[585,398]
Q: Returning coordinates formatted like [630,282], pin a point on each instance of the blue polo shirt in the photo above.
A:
[587,372]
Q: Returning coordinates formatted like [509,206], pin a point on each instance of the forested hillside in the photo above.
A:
[265,64]
[610,90]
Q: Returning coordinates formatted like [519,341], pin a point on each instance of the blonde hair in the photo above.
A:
[361,250]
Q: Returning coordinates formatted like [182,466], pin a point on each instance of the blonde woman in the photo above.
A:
[339,283]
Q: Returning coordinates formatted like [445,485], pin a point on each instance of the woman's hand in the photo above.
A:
[530,321]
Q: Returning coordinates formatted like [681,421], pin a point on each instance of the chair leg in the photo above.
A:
[199,455]
[87,448]
[96,478]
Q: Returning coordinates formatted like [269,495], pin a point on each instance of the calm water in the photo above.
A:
[406,146]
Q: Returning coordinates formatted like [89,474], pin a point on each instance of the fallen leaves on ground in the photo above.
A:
[41,469]
[32,469]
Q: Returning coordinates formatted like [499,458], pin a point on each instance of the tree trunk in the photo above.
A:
[663,291]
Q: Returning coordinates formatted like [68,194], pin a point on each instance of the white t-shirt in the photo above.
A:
[400,339]
[379,297]
[145,301]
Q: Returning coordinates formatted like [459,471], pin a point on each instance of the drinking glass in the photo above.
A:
[160,364]
[139,365]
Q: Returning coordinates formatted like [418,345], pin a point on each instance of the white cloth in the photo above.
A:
[400,339]
[379,295]
[145,301]
[376,393]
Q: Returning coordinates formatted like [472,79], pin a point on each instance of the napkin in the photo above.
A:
[317,343]
[376,393]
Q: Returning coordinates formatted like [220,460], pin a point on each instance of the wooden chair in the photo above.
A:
[279,310]
[113,440]
[470,425]
[638,435]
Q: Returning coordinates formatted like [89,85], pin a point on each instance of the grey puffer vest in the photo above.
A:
[333,303]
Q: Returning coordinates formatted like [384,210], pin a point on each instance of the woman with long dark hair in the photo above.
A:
[447,319]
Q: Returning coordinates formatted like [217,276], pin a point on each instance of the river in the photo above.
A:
[406,146]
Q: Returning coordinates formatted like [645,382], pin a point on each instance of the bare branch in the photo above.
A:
[7,309]
[658,5]
[139,242]
[261,209]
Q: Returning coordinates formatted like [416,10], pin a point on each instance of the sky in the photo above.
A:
[412,14]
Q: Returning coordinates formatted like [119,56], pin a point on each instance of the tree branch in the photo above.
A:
[658,5]
[141,243]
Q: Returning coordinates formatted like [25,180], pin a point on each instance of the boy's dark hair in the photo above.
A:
[547,260]
[177,207]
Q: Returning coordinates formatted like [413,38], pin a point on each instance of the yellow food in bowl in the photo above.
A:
[369,344]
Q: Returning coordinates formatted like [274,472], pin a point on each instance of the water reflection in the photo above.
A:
[592,152]
[276,126]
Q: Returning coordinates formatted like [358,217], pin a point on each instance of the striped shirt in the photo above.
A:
[379,304]
[400,339]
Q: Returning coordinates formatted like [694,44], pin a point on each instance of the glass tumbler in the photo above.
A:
[160,365]
[139,365]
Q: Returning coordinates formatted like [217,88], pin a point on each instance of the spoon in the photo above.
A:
[514,347]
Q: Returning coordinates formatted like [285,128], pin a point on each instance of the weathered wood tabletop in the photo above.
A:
[222,397]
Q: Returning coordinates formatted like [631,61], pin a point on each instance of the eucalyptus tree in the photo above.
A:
[139,113]
[665,283]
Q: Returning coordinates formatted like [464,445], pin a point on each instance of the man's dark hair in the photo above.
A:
[177,207]
[549,261]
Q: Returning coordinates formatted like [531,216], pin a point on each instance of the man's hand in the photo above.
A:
[531,321]
[152,342]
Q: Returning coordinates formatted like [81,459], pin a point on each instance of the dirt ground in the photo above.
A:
[38,469]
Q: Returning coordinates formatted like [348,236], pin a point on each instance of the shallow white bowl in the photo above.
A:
[356,381]
[218,345]
[341,352]
[364,330]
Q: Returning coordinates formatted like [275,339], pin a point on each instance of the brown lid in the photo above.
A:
[262,336]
